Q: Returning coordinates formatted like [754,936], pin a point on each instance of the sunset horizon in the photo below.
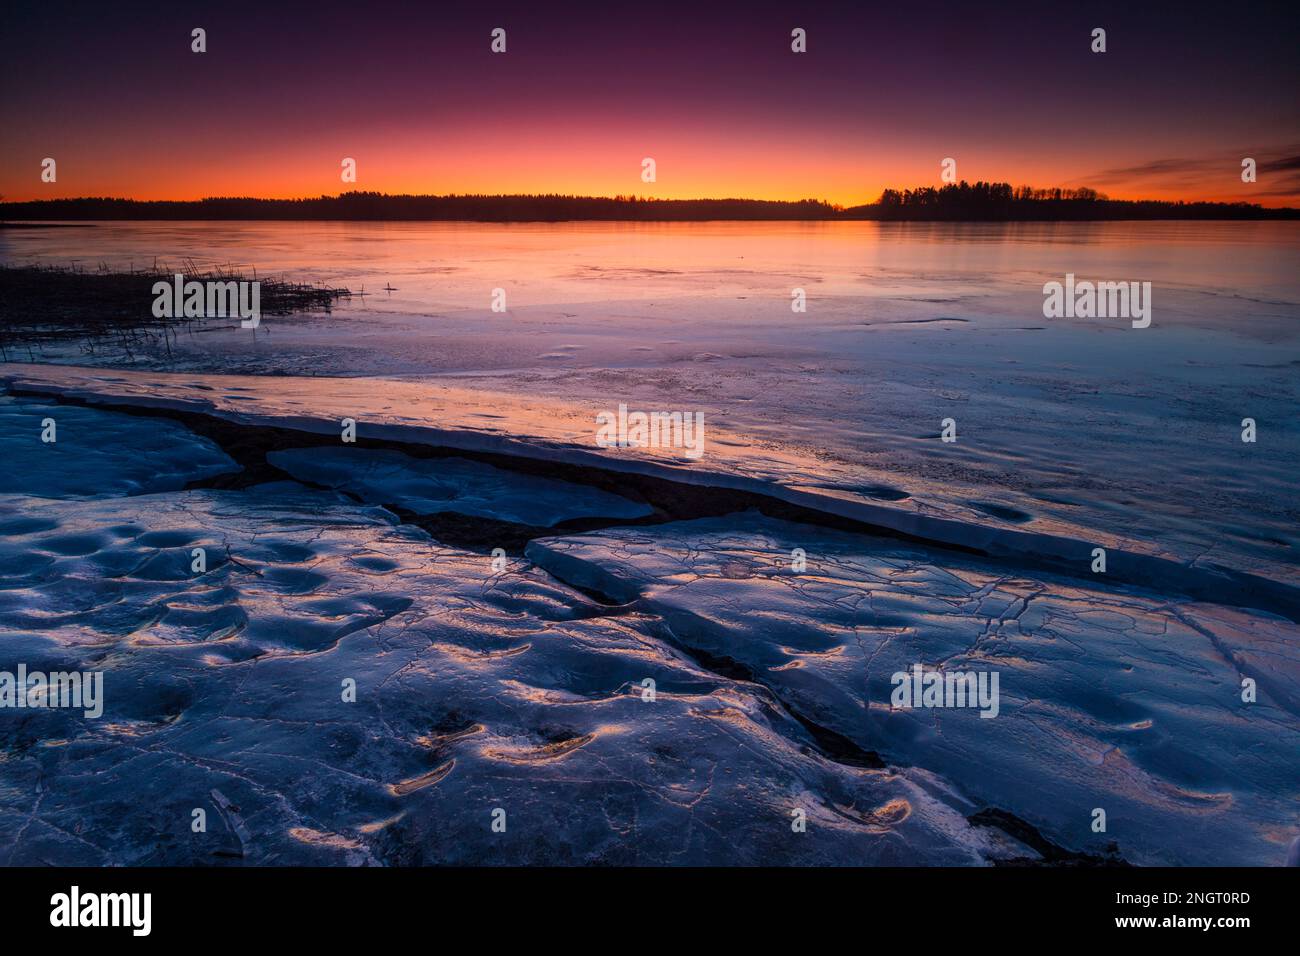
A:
[791,198]
[279,98]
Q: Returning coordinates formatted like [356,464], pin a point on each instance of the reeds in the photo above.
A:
[45,304]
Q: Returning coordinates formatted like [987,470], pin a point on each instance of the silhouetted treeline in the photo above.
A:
[954,202]
[981,201]
[379,206]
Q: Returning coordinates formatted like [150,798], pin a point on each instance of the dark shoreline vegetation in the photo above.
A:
[42,304]
[954,202]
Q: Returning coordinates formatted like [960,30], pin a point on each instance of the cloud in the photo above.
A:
[1282,164]
[1278,169]
[1156,167]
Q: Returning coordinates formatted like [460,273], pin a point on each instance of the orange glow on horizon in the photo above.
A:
[842,189]
[558,157]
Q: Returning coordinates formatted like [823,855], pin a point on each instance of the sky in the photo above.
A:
[584,92]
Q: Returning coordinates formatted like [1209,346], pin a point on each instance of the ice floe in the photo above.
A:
[92,453]
[433,485]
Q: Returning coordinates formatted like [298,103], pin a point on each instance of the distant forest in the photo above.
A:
[1001,202]
[955,202]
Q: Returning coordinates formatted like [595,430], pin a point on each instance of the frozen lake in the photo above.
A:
[1073,426]
[825,540]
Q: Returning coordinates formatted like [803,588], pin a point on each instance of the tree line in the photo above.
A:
[962,201]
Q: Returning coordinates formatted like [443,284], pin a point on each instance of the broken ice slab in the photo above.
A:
[433,485]
[1110,698]
[71,451]
[946,501]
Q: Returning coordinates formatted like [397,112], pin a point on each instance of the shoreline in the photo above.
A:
[783,488]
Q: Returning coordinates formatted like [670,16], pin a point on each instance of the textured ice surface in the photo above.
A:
[428,486]
[1109,698]
[479,690]
[98,453]
[475,691]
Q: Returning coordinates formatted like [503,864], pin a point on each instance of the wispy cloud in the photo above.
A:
[1156,167]
[1291,162]
[1278,169]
